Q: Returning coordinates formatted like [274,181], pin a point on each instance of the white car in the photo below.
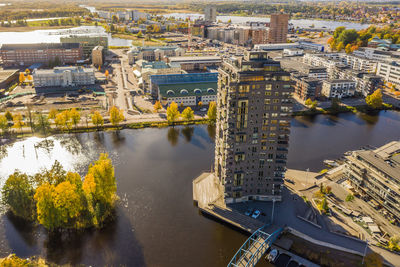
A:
[256,214]
[272,255]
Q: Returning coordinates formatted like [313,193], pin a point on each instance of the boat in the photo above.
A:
[331,163]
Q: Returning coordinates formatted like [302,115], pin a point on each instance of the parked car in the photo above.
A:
[256,214]
[203,109]
[249,212]
[271,257]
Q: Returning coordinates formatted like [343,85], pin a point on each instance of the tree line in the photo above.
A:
[65,120]
[61,200]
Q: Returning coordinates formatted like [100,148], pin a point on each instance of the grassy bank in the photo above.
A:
[342,109]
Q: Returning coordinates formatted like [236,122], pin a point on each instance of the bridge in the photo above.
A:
[254,248]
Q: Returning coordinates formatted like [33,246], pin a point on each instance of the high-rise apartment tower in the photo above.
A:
[278,28]
[253,122]
[210,14]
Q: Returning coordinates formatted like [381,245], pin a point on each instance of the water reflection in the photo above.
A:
[187,132]
[211,131]
[173,135]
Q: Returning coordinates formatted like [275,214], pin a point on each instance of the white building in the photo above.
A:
[64,76]
[372,53]
[389,71]
[338,88]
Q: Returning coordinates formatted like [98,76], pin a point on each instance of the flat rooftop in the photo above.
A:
[195,59]
[39,46]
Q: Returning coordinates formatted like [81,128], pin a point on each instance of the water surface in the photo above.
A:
[157,224]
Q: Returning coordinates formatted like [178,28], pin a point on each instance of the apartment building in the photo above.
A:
[304,69]
[338,88]
[88,42]
[154,53]
[376,174]
[306,87]
[389,71]
[366,83]
[372,53]
[278,28]
[253,124]
[63,76]
[46,53]
[98,56]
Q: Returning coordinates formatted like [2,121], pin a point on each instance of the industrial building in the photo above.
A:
[253,124]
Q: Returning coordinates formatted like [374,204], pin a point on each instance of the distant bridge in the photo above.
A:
[254,248]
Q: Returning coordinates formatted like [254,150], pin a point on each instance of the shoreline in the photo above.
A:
[26,132]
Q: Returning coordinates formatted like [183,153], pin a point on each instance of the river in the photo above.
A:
[53,36]
[157,223]
[301,23]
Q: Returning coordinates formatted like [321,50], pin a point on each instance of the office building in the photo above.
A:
[375,174]
[278,28]
[338,88]
[88,42]
[253,124]
[63,76]
[98,56]
[210,13]
[154,53]
[46,53]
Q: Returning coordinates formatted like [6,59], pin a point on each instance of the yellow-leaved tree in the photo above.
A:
[75,116]
[374,100]
[100,189]
[172,112]
[188,114]
[212,111]
[157,106]
[97,119]
[116,116]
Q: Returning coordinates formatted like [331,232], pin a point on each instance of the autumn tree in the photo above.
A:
[157,106]
[97,119]
[200,104]
[172,112]
[18,122]
[17,195]
[63,120]
[394,243]
[53,113]
[374,100]
[348,49]
[212,111]
[3,124]
[116,116]
[21,77]
[340,46]
[107,74]
[188,114]
[75,116]
[100,189]
[42,123]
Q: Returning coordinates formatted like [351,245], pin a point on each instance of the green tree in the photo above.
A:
[17,195]
[97,119]
[42,123]
[308,102]
[75,116]
[116,116]
[349,197]
[374,100]
[172,112]
[188,114]
[8,115]
[212,111]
